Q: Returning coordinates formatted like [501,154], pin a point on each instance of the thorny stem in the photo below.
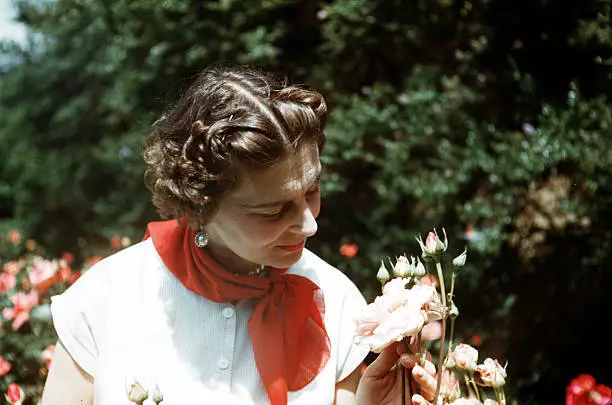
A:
[404,399]
[403,377]
[421,348]
[443,335]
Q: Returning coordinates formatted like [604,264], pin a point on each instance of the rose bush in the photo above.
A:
[28,280]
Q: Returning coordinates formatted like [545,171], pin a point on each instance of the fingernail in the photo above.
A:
[418,371]
[407,360]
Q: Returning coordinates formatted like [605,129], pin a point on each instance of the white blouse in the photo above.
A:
[129,318]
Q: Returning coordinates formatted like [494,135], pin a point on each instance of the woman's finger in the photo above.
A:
[419,400]
[408,360]
[426,381]
[383,363]
[429,367]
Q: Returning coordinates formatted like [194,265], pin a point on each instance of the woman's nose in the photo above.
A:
[306,222]
[309,223]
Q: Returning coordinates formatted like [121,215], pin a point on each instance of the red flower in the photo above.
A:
[5,367]
[115,242]
[68,257]
[15,237]
[92,260]
[14,394]
[349,249]
[476,340]
[47,355]
[583,391]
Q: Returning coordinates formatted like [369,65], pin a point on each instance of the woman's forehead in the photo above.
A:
[283,181]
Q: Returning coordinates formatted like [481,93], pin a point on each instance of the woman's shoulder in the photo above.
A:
[123,266]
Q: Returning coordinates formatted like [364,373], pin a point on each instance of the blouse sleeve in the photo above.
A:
[79,315]
[351,355]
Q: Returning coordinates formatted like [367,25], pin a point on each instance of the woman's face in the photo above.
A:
[267,218]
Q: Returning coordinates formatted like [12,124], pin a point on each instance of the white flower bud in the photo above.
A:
[419,270]
[137,393]
[433,246]
[157,396]
[491,374]
[382,275]
[454,311]
[402,267]
[459,261]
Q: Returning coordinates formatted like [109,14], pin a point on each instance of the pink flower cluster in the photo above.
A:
[399,312]
[22,304]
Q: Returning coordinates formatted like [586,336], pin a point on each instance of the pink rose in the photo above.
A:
[490,374]
[450,388]
[396,314]
[431,243]
[7,282]
[373,315]
[8,313]
[20,319]
[22,304]
[25,302]
[464,357]
[43,273]
[13,267]
[395,293]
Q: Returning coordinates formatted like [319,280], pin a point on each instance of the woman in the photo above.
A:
[221,303]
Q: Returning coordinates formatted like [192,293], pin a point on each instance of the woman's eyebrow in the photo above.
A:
[281,202]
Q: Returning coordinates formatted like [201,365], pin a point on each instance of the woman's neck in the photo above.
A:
[230,261]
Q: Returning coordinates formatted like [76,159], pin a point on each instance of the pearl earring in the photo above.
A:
[201,239]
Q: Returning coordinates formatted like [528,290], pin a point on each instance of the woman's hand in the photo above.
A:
[381,383]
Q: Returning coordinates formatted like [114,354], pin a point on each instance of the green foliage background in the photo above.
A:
[487,115]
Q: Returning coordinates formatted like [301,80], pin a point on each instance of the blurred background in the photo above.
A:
[490,118]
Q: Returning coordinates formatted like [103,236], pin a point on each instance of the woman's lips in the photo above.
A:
[293,248]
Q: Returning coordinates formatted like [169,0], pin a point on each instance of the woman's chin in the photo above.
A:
[288,259]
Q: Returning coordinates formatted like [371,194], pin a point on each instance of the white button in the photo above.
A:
[228,312]
[223,364]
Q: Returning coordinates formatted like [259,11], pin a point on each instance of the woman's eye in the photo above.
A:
[271,214]
[315,189]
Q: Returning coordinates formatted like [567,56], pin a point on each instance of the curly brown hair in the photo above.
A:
[229,118]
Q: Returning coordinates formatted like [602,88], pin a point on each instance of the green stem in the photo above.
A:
[476,389]
[468,385]
[452,289]
[442,287]
[451,335]
[500,396]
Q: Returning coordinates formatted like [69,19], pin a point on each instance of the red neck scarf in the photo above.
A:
[289,339]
